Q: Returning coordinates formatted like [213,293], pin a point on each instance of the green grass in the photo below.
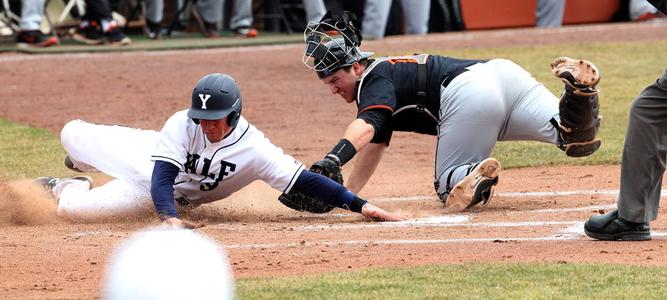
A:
[27,152]
[469,281]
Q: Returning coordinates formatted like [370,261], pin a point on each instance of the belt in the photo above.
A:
[453,75]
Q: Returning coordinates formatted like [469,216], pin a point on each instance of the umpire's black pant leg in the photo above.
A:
[644,154]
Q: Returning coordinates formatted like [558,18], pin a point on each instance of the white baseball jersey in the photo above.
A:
[212,171]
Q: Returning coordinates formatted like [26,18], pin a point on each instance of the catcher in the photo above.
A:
[203,154]
[467,104]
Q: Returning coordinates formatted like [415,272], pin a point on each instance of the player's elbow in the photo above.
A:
[360,133]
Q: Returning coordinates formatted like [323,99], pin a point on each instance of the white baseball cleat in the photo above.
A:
[477,187]
[50,182]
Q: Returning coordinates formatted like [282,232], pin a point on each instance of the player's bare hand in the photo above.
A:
[173,222]
[373,212]
[176,223]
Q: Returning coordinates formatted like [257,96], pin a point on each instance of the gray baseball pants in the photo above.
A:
[32,12]
[493,101]
[549,13]
[211,11]
[376,14]
[644,153]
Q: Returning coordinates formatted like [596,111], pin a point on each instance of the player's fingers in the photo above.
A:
[398,217]
[193,225]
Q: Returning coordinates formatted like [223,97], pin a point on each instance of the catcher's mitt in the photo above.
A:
[329,168]
[301,202]
[298,201]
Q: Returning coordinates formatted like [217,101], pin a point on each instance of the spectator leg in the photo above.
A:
[241,14]
[210,10]
[31,14]
[155,10]
[550,13]
[416,14]
[315,10]
[376,13]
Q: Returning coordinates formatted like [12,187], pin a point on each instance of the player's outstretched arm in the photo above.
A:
[316,187]
[176,223]
[162,192]
[173,222]
[365,165]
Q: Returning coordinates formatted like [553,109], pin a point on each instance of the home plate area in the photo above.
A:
[507,219]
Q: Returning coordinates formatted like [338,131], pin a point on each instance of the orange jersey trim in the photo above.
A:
[394,61]
[377,106]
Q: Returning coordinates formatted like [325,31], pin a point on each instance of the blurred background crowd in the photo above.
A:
[43,23]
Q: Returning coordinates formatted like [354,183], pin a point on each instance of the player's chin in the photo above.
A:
[214,138]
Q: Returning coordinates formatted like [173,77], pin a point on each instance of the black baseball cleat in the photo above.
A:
[70,165]
[89,33]
[34,38]
[610,227]
[582,75]
[115,35]
[49,182]
[476,187]
[152,30]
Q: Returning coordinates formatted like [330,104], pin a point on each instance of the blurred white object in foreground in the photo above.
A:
[163,263]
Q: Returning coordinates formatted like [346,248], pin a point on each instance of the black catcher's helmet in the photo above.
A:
[333,43]
[215,97]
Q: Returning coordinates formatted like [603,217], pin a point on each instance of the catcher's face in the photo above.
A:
[215,130]
[343,82]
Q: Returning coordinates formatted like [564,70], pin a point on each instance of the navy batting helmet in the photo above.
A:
[215,97]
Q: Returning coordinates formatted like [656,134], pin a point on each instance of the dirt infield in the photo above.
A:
[538,217]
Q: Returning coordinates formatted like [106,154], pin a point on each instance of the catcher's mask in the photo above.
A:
[215,97]
[332,43]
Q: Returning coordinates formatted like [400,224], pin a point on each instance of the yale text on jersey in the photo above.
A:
[224,169]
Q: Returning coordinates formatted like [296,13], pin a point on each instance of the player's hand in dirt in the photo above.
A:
[373,212]
[176,223]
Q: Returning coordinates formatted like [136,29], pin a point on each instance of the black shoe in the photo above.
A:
[70,165]
[89,33]
[152,30]
[610,227]
[116,36]
[35,38]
